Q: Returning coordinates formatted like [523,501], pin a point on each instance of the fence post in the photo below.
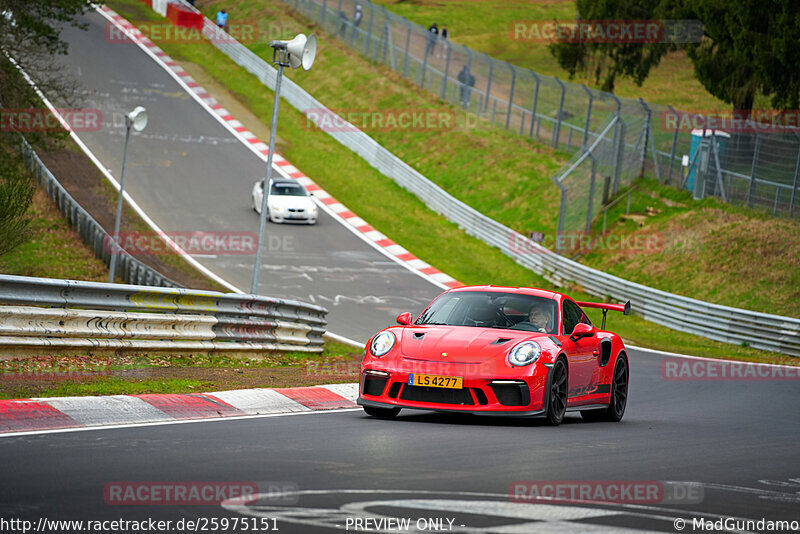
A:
[322,13]
[368,39]
[511,93]
[753,168]
[562,208]
[560,113]
[618,146]
[794,188]
[408,42]
[588,117]
[648,139]
[535,103]
[446,71]
[674,146]
[488,84]
[591,195]
[720,182]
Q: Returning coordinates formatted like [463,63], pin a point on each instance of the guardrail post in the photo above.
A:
[533,107]
[511,94]
[588,115]
[752,189]
[559,115]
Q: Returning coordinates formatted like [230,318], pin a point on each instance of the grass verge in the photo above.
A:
[79,373]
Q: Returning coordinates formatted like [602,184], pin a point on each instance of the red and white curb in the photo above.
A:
[38,414]
[332,206]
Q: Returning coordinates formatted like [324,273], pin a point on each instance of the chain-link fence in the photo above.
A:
[760,170]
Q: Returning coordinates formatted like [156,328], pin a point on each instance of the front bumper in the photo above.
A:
[520,393]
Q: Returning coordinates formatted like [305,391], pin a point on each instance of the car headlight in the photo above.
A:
[313,209]
[382,343]
[278,209]
[524,353]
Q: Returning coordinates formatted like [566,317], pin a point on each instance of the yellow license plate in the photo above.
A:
[435,381]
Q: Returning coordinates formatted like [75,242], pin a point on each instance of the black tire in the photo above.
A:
[383,413]
[619,395]
[557,396]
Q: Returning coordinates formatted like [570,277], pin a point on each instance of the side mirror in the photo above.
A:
[405,318]
[581,331]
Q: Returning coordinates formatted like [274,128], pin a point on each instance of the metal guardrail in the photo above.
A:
[92,234]
[69,313]
[713,321]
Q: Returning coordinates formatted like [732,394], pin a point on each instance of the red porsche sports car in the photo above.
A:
[511,351]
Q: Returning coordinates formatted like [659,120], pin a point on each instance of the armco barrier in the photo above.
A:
[92,234]
[67,313]
[713,321]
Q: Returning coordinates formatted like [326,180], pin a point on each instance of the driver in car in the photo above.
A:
[538,319]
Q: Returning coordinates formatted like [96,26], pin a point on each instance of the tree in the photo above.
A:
[608,60]
[29,38]
[749,47]
[16,194]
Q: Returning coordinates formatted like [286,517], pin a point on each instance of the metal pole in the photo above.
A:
[619,145]
[405,59]
[557,132]
[488,85]
[368,39]
[646,133]
[591,196]
[588,116]
[262,223]
[446,71]
[674,146]
[511,94]
[794,188]
[535,104]
[753,167]
[115,248]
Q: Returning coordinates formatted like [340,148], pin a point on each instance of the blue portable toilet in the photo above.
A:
[701,141]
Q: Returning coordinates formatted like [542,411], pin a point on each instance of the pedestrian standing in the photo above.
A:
[222,19]
[433,35]
[443,38]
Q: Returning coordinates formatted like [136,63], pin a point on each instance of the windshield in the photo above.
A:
[489,309]
[290,190]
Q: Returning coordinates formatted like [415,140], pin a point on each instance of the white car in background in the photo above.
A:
[287,201]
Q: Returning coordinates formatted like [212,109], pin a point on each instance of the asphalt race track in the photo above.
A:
[713,448]
[189,173]
[736,441]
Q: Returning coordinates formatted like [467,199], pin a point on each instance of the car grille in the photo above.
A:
[297,210]
[438,395]
[512,394]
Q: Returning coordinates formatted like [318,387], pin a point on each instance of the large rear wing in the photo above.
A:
[625,309]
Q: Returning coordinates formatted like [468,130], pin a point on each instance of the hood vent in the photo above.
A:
[501,340]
